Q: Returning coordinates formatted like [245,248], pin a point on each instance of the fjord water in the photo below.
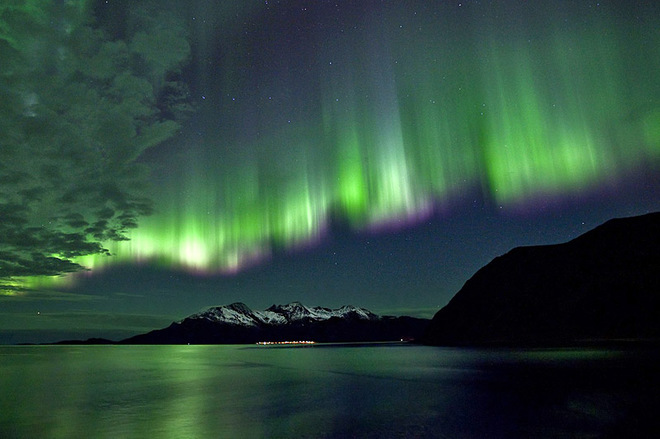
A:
[378,390]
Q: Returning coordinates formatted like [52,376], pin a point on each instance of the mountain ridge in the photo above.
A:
[240,313]
[237,323]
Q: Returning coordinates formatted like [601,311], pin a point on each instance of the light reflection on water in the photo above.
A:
[321,391]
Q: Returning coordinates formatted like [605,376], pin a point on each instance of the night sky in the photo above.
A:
[160,157]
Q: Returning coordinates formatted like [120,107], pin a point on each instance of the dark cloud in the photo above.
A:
[81,97]
[41,296]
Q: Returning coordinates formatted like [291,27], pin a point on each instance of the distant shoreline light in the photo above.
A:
[286,342]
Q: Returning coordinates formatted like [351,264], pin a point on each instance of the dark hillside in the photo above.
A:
[603,285]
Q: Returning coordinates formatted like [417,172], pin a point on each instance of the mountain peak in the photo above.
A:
[236,313]
[355,312]
[289,306]
[239,307]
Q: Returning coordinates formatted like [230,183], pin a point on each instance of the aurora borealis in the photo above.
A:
[266,127]
[388,132]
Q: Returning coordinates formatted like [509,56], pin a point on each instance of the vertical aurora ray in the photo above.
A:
[375,183]
[651,130]
[549,118]
[382,120]
[392,184]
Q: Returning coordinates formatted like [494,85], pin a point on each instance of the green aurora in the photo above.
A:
[385,118]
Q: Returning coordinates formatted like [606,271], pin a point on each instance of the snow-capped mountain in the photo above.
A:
[237,323]
[241,315]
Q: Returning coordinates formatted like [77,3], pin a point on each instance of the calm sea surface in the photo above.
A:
[324,391]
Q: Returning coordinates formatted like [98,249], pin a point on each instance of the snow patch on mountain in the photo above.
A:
[234,314]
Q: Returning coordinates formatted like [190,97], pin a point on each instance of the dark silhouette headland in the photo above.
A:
[601,287]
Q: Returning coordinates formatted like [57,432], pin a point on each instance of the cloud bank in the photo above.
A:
[82,94]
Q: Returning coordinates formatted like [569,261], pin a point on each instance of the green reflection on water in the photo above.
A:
[315,391]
